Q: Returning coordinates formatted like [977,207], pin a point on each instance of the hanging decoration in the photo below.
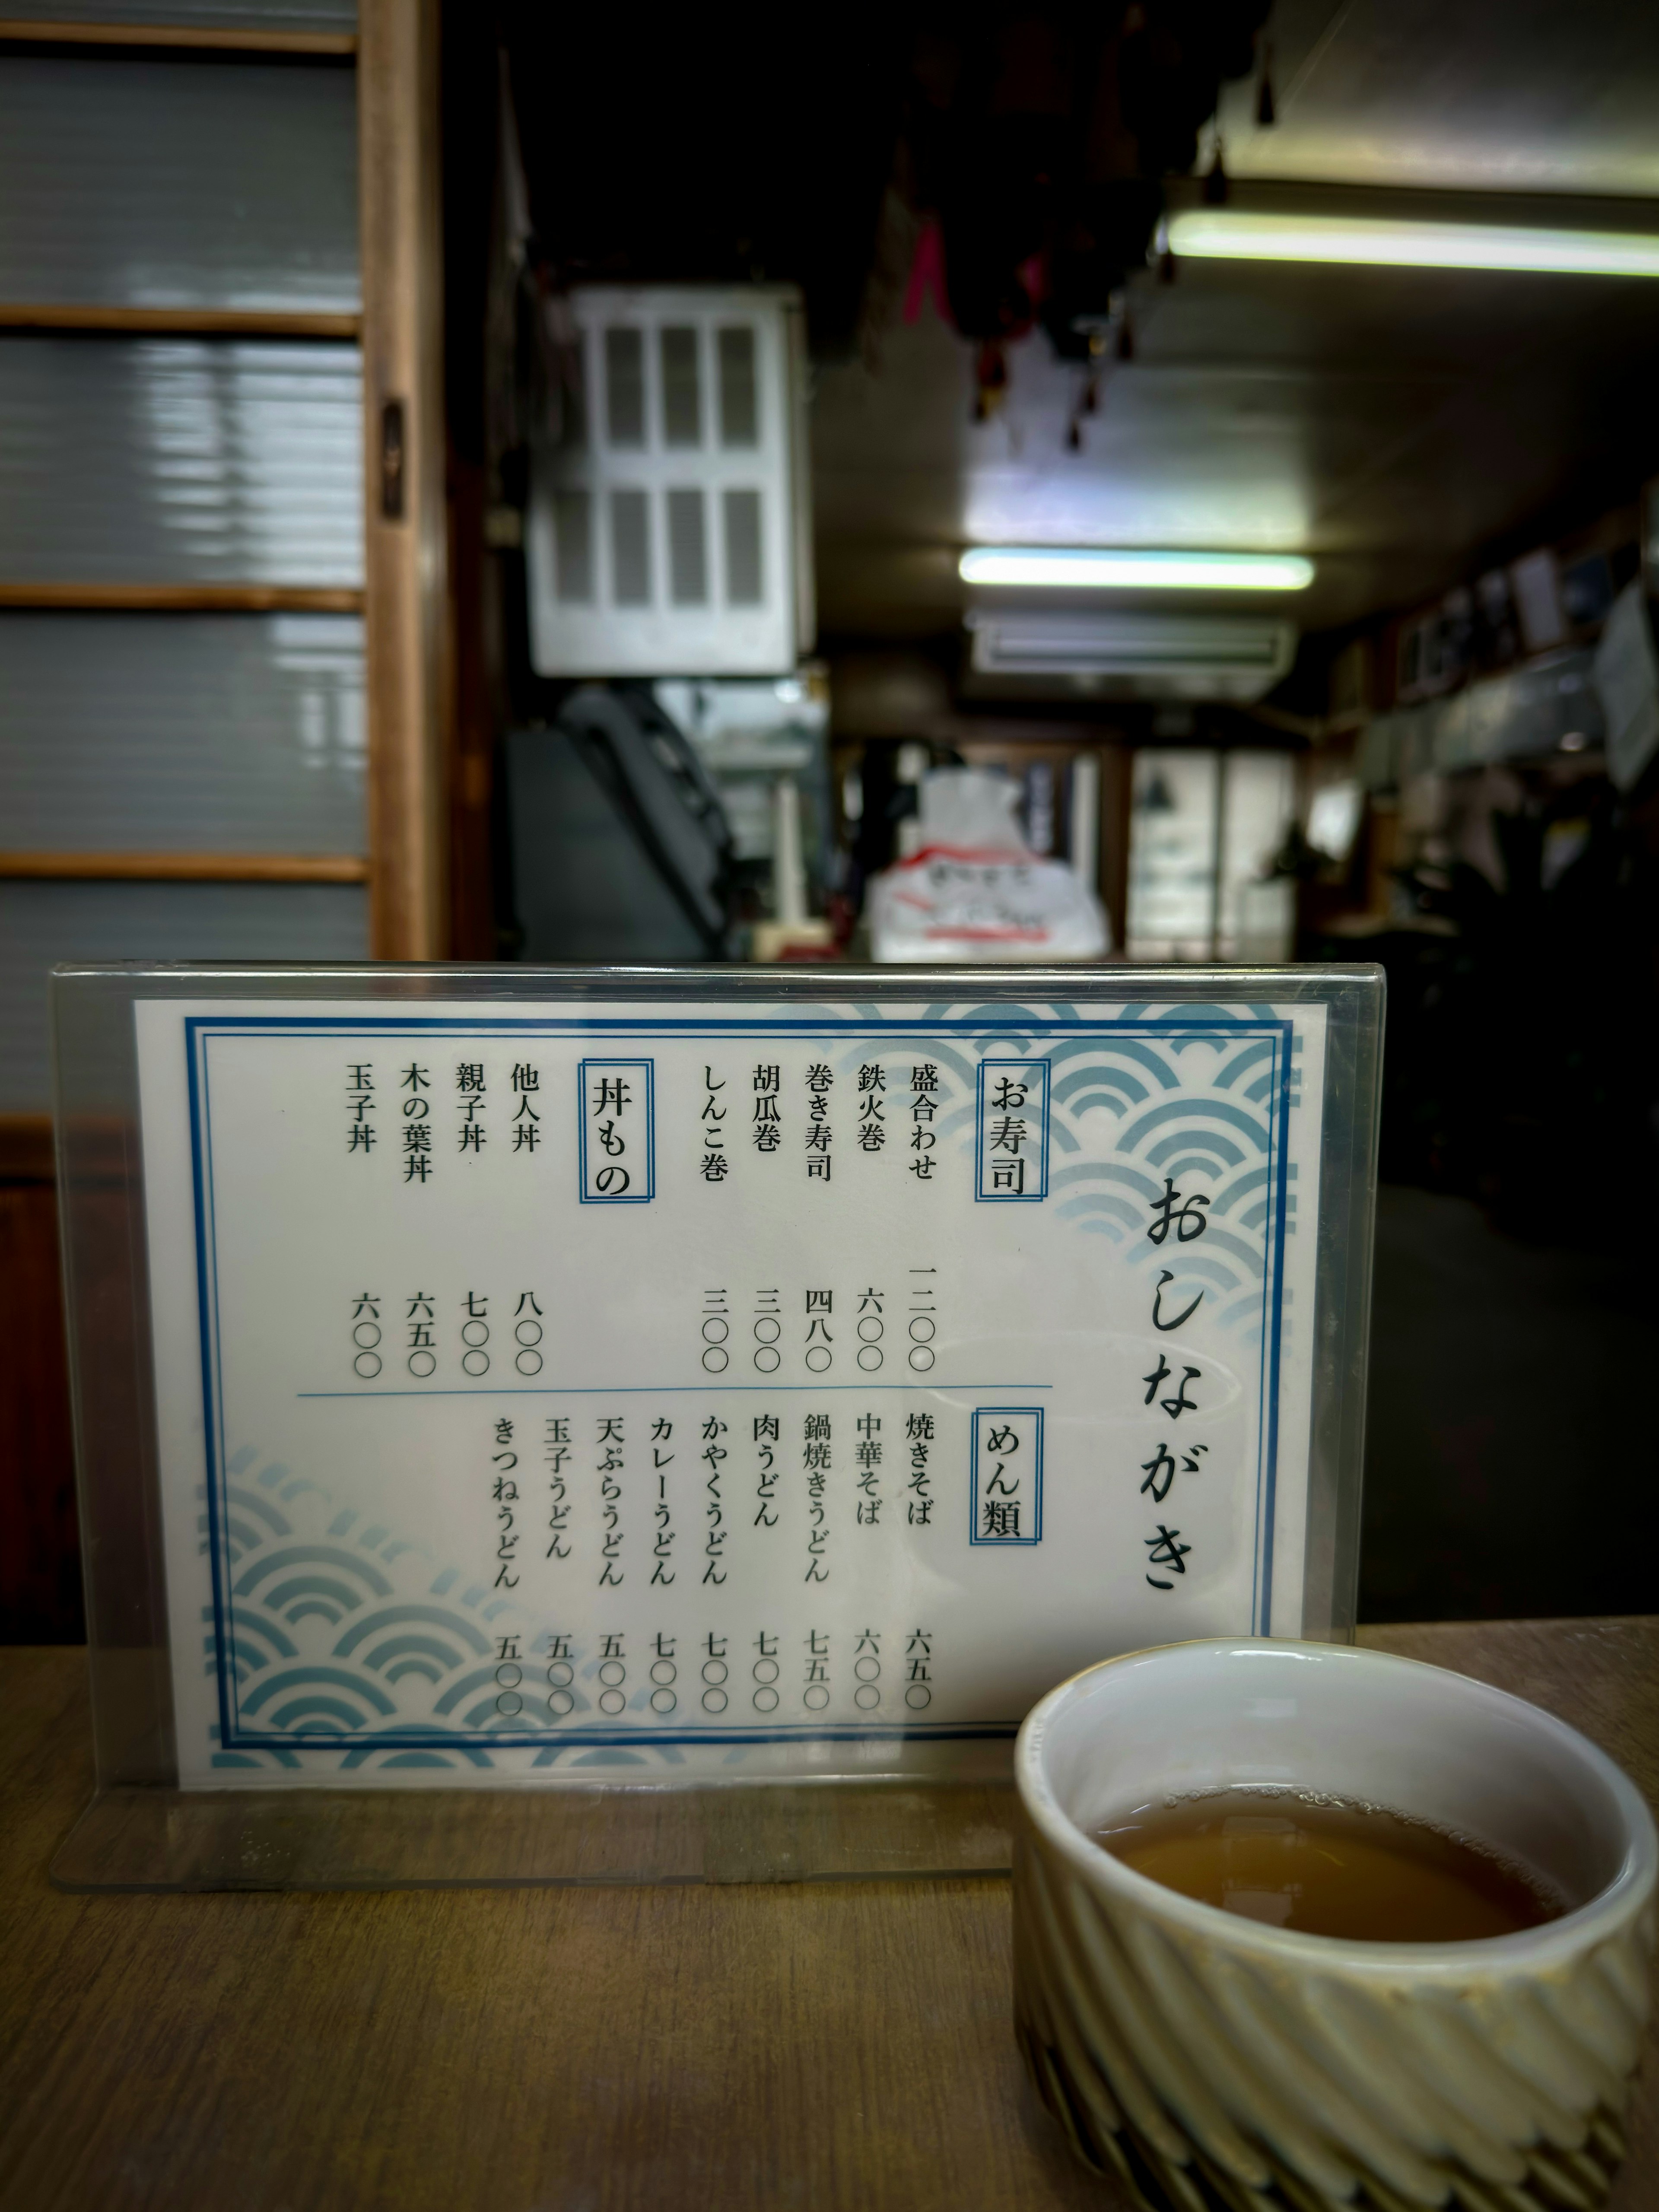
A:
[1035,143]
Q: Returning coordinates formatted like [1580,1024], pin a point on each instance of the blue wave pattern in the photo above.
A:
[337,1628]
[1131,1109]
[1135,1115]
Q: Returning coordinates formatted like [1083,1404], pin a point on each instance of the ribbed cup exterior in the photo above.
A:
[1215,2071]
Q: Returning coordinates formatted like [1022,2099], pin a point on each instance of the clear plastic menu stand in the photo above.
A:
[616,1424]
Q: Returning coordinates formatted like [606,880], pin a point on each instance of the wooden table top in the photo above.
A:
[721,2047]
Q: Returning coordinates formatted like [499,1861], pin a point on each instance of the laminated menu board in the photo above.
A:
[567,1375]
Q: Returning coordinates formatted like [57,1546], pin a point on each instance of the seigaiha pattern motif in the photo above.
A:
[1211,2082]
[1134,1104]
[338,1626]
[335,1626]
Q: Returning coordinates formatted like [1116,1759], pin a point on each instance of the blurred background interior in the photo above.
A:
[527,483]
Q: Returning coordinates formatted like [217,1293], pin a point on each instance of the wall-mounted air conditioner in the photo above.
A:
[670,532]
[1126,655]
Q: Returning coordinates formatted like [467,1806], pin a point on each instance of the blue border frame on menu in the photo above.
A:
[200,1031]
[621,1197]
[983,1165]
[1033,1413]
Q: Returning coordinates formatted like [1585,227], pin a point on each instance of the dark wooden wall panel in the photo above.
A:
[40,1547]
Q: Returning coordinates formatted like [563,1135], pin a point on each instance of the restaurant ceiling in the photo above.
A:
[1476,95]
[1391,422]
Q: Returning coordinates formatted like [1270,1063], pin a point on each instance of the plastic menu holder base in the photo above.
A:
[166,1839]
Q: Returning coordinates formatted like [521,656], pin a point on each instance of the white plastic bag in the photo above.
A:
[974,890]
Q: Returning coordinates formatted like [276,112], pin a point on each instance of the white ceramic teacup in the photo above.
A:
[1215,2061]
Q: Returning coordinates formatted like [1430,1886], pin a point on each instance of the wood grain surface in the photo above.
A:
[779,2045]
[52,31]
[185,867]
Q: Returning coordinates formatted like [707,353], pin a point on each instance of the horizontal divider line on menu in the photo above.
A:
[185,867]
[46,31]
[185,598]
[661,1389]
[178,322]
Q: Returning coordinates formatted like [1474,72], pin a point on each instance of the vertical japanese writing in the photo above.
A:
[560,1674]
[612,1097]
[508,1675]
[715,1165]
[924,1106]
[610,1466]
[818,1080]
[1160,1469]
[1185,1213]
[1167,1275]
[417,1125]
[924,1317]
[664,1675]
[1165,1550]
[505,1461]
[872,1128]
[360,1097]
[527,1334]
[866,1669]
[714,1458]
[1179,1403]
[866,1454]
[769,1327]
[815,1459]
[662,1547]
[1171,1211]
[1008,1134]
[766,1127]
[526,1120]
[1011,1130]
[366,1335]
[815,1692]
[919,1670]
[557,1452]
[1007,1475]
[469,1083]
[423,1357]
[999,1500]
[766,1489]
[819,1342]
[615,1106]
[871,1328]
[613,1673]
[475,1335]
[765,1671]
[919,1436]
[716,1329]
[715,1673]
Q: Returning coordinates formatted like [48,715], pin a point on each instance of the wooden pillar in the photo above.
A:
[406,579]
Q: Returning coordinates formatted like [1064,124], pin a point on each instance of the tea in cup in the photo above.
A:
[1304,1925]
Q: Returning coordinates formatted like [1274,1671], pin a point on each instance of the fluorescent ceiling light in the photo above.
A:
[1092,569]
[1233,234]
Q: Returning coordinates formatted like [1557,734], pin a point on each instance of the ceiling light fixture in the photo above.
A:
[1090,568]
[1234,234]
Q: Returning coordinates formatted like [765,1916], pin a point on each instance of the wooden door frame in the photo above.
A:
[404,526]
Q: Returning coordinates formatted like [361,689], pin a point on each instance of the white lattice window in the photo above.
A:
[671,539]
